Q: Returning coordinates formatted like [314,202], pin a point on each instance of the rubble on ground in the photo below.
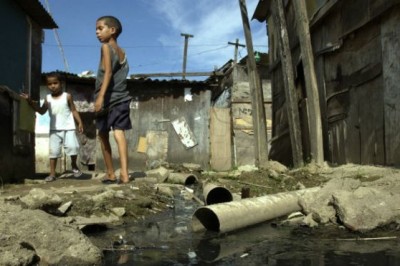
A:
[40,218]
[29,236]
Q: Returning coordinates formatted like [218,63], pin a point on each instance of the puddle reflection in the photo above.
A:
[167,240]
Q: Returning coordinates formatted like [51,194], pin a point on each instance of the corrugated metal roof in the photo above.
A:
[169,81]
[75,77]
[38,13]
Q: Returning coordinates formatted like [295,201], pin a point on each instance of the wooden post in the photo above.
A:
[257,99]
[290,89]
[187,36]
[236,44]
[315,124]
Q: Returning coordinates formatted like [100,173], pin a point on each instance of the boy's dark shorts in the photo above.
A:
[116,118]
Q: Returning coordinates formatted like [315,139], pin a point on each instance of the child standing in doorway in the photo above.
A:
[112,98]
[62,113]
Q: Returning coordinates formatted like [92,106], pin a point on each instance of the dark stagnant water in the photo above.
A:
[166,239]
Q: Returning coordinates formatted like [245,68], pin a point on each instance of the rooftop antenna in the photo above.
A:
[58,41]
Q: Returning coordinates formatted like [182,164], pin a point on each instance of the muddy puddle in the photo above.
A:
[166,239]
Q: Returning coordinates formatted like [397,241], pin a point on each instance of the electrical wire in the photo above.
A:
[57,37]
[211,50]
[143,46]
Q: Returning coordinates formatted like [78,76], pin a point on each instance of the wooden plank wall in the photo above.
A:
[354,92]
[355,46]
[390,38]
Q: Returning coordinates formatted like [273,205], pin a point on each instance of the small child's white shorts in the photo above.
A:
[60,139]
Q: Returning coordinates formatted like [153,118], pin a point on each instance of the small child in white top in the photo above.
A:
[63,115]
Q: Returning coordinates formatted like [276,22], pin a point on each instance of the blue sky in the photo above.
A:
[151,33]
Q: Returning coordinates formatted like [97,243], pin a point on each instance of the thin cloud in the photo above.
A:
[152,33]
[213,24]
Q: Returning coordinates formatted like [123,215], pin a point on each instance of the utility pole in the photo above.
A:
[257,98]
[187,36]
[237,45]
[315,124]
[288,80]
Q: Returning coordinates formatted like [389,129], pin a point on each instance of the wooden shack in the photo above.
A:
[357,69]
[20,68]
[174,121]
[170,121]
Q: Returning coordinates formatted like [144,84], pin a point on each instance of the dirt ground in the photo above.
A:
[142,198]
[79,191]
[146,195]
[145,200]
[265,182]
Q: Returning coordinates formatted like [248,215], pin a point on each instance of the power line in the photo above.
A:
[145,46]
[211,50]
[58,41]
[192,54]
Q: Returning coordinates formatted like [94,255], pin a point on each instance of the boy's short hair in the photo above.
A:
[55,74]
[112,21]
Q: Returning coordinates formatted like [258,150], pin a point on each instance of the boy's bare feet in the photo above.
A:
[123,180]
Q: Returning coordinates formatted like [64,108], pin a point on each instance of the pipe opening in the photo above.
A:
[190,180]
[218,195]
[208,219]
